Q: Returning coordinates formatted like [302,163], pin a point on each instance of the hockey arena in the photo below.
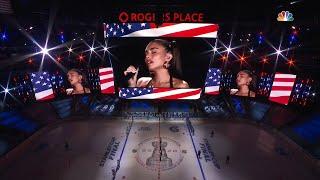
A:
[159,90]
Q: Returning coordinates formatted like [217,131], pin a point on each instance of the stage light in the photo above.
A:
[260,37]
[293,2]
[30,27]
[4,36]
[215,49]
[91,49]
[228,49]
[278,51]
[59,58]
[291,62]
[251,50]
[44,51]
[70,49]
[6,90]
[264,60]
[242,58]
[81,57]
[105,48]
[295,32]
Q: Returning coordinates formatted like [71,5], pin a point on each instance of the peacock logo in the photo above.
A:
[285,16]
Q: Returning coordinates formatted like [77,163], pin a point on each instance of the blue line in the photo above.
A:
[125,143]
[204,178]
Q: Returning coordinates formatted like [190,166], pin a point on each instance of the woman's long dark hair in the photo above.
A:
[175,63]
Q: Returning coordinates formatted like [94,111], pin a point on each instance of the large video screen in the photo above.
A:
[166,67]
[243,83]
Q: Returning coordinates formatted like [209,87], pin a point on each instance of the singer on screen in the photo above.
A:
[77,80]
[163,62]
[246,82]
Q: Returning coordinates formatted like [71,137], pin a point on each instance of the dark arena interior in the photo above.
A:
[197,90]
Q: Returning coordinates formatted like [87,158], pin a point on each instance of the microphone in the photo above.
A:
[129,75]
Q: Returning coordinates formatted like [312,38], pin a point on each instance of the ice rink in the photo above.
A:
[98,148]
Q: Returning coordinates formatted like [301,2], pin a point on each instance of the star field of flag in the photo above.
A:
[121,29]
[212,83]
[265,83]
[159,93]
[134,92]
[42,85]
[304,92]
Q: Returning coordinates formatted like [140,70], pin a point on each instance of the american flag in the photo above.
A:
[282,87]
[106,80]
[5,7]
[204,30]
[42,85]
[265,82]
[212,83]
[304,92]
[159,93]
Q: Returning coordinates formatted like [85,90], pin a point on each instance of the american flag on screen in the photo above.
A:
[42,85]
[5,7]
[212,83]
[282,87]
[106,80]
[204,30]
[159,93]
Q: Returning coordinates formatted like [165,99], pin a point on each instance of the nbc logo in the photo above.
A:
[285,16]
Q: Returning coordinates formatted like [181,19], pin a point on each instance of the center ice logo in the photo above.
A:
[159,153]
[159,156]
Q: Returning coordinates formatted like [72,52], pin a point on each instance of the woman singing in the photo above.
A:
[162,60]
[246,83]
[77,81]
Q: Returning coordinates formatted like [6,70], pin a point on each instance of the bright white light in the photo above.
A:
[105,48]
[91,49]
[278,52]
[251,50]
[70,49]
[30,27]
[44,51]
[6,90]
[228,49]
[215,49]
